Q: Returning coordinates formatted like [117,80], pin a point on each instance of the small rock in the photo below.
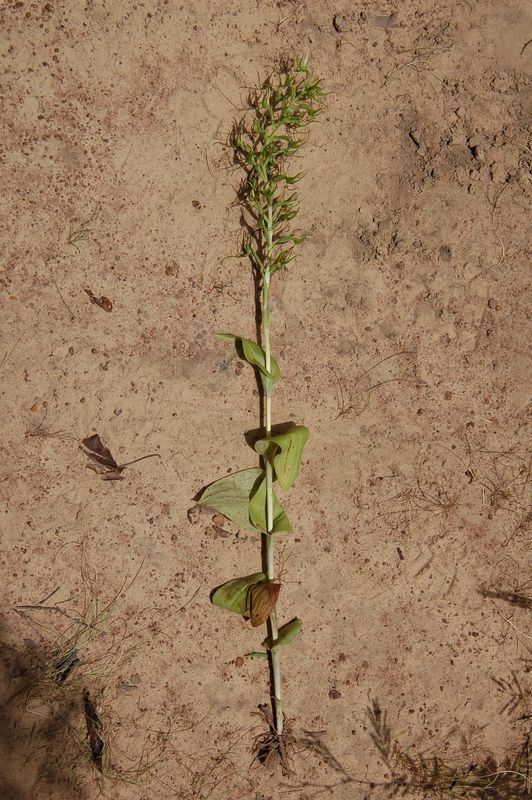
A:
[445,253]
[492,303]
[461,112]
[334,694]
[448,395]
[239,662]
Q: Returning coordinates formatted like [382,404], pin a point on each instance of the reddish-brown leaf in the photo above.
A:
[98,452]
[262,601]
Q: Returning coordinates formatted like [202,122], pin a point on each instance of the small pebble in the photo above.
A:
[239,662]
[334,694]
[492,303]
[445,253]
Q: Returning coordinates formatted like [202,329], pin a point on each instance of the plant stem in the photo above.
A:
[270,541]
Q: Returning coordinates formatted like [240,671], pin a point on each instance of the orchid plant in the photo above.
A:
[264,142]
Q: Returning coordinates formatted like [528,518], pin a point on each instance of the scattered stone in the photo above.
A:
[445,253]
[334,694]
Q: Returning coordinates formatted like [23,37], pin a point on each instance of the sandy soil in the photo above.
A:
[402,336]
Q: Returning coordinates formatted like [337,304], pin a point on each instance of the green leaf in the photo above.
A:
[254,355]
[257,510]
[285,451]
[231,496]
[287,633]
[233,595]
[290,238]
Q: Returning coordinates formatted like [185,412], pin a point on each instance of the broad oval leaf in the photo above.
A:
[262,600]
[255,355]
[230,496]
[233,595]
[285,452]
[287,633]
[257,510]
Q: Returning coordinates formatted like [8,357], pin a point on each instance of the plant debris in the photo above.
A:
[272,747]
[105,464]
[94,726]
[101,302]
[65,666]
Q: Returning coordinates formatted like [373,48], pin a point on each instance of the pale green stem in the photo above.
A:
[270,541]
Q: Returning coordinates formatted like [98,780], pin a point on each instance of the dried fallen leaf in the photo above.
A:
[98,452]
[105,464]
[64,666]
[94,726]
[101,302]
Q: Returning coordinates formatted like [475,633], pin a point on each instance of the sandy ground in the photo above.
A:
[401,332]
